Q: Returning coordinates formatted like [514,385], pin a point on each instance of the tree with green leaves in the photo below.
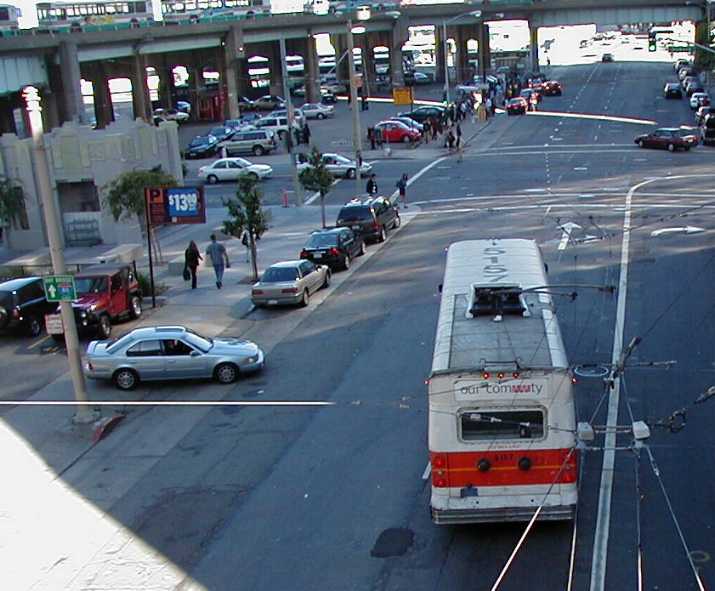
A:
[316,177]
[125,194]
[12,203]
[247,215]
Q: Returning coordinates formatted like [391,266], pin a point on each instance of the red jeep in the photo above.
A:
[106,294]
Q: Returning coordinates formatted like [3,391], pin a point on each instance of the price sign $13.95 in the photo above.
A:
[183,202]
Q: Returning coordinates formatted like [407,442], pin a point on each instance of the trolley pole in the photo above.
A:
[49,208]
[291,118]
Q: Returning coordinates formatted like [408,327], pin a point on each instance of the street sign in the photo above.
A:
[678,49]
[59,288]
[402,95]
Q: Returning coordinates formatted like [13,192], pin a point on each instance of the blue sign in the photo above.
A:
[183,202]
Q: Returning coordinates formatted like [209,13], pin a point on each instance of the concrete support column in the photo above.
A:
[276,70]
[485,56]
[197,81]
[342,70]
[461,58]
[71,77]
[311,72]
[140,91]
[439,54]
[50,109]
[103,108]
[166,83]
[233,54]
[534,47]
[368,62]
[400,35]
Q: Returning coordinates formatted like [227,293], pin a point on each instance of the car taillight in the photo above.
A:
[290,290]
[334,251]
[376,225]
[303,254]
[256,292]
[16,313]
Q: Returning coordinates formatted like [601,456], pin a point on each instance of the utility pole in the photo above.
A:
[357,139]
[291,118]
[42,176]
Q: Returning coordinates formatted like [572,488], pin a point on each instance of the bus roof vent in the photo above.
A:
[497,301]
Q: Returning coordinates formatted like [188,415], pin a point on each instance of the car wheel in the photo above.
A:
[212,179]
[306,299]
[135,307]
[104,329]
[346,262]
[125,379]
[406,139]
[397,222]
[363,249]
[258,151]
[226,373]
[326,282]
[381,237]
[641,144]
[350,174]
[34,327]
[671,148]
[321,116]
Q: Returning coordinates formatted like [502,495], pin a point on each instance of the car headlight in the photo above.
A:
[252,359]
[83,314]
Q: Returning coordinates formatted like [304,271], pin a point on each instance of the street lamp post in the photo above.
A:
[474,13]
[363,14]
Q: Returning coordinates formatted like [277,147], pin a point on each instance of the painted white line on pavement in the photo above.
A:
[427,472]
[594,117]
[316,195]
[530,146]
[167,403]
[420,173]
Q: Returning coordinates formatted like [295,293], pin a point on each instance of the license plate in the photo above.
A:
[318,255]
[356,227]
[272,302]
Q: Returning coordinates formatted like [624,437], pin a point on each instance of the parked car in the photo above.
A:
[170,353]
[371,217]
[707,130]
[334,247]
[171,115]
[682,62]
[317,111]
[517,106]
[607,57]
[552,88]
[202,146]
[395,131]
[278,125]
[421,114]
[668,138]
[693,87]
[337,164]
[423,78]
[23,305]
[231,169]
[106,294]
[222,133]
[269,102]
[251,141]
[409,122]
[184,106]
[327,97]
[702,112]
[699,99]
[298,116]
[245,122]
[245,104]
[289,282]
[672,90]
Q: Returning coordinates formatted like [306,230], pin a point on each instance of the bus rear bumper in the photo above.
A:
[501,515]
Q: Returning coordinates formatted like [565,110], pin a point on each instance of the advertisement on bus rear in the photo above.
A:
[508,389]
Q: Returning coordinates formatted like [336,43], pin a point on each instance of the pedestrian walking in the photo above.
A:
[489,105]
[358,158]
[402,188]
[371,187]
[363,103]
[377,132]
[426,130]
[306,134]
[459,135]
[245,240]
[436,128]
[371,137]
[297,133]
[216,253]
[192,257]
[450,140]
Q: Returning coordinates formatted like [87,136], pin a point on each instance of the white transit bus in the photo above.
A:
[9,16]
[501,409]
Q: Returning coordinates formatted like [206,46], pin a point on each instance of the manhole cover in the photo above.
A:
[591,371]
[394,541]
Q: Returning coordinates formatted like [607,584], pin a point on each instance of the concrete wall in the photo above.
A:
[79,154]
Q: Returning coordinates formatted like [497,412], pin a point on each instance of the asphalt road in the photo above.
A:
[275,498]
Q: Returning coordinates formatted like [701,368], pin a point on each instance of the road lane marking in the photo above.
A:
[39,342]
[316,195]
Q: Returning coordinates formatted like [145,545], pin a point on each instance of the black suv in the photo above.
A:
[334,247]
[23,305]
[421,114]
[371,217]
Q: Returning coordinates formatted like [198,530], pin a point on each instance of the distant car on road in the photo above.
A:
[289,283]
[396,131]
[335,247]
[171,115]
[552,88]
[170,353]
[607,57]
[672,90]
[338,165]
[245,104]
[423,78]
[668,138]
[699,99]
[517,106]
[23,305]
[269,102]
[251,141]
[231,169]
[202,146]
[371,217]
[317,111]
[421,114]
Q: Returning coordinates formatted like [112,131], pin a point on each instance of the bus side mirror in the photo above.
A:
[439,288]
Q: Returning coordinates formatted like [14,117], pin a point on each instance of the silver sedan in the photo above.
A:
[290,282]
[170,353]
[339,166]
[317,111]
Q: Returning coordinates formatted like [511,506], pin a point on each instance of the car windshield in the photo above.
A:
[203,344]
[355,214]
[342,159]
[85,285]
[278,274]
[322,240]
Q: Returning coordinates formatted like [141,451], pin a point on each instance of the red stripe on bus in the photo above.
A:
[502,468]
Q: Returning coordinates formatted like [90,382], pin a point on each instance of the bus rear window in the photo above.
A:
[501,424]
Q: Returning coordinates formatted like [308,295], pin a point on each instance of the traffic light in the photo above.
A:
[652,41]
